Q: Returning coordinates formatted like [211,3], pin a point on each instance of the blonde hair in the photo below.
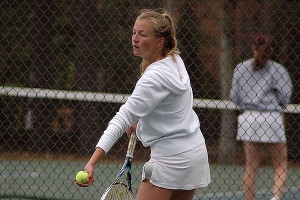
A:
[164,26]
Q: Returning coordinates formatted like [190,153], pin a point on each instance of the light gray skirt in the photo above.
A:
[186,171]
[257,126]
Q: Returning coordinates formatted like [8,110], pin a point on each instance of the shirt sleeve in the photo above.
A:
[235,87]
[283,86]
[145,97]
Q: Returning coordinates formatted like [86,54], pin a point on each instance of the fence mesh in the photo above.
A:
[67,66]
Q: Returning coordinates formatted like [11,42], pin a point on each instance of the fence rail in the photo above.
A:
[220,104]
[67,66]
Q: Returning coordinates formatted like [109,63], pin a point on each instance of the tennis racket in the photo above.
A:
[118,190]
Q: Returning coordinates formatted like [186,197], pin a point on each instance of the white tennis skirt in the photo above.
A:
[258,126]
[185,171]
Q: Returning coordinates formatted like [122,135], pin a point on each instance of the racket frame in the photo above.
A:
[127,164]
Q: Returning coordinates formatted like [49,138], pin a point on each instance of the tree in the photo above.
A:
[226,139]
[88,69]
[40,73]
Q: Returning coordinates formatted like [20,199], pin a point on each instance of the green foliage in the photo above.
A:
[64,43]
[114,44]
[116,21]
[15,46]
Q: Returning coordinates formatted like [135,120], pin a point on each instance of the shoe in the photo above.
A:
[275,198]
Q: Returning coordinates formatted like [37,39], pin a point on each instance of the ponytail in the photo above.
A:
[164,26]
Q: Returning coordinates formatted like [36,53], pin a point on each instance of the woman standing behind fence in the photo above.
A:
[162,103]
[262,88]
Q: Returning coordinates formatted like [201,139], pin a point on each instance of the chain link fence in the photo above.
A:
[67,66]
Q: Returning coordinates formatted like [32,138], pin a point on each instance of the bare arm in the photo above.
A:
[90,166]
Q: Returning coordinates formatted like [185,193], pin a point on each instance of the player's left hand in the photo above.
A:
[131,129]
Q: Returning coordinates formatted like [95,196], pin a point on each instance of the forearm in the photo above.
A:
[89,168]
[98,154]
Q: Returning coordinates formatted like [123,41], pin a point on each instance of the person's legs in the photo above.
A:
[253,157]
[183,195]
[147,191]
[280,163]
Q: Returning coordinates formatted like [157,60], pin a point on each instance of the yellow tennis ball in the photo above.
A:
[82,177]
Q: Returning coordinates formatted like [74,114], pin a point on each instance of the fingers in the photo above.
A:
[134,125]
[90,181]
[84,184]
[131,129]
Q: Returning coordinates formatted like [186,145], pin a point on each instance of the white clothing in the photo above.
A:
[184,171]
[275,198]
[162,103]
[258,126]
[263,94]
[269,88]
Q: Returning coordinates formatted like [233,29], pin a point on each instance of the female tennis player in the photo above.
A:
[262,88]
[162,106]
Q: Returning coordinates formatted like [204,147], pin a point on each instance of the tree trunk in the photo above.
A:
[227,132]
[40,75]
[87,124]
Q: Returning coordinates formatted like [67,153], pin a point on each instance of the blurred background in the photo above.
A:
[67,66]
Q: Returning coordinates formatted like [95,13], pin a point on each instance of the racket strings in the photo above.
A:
[118,191]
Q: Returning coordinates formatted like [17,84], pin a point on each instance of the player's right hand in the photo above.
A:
[90,170]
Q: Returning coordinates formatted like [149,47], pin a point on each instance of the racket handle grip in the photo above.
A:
[131,145]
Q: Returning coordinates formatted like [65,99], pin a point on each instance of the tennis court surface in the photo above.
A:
[54,180]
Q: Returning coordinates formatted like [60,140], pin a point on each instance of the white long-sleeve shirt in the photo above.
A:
[162,103]
[267,89]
